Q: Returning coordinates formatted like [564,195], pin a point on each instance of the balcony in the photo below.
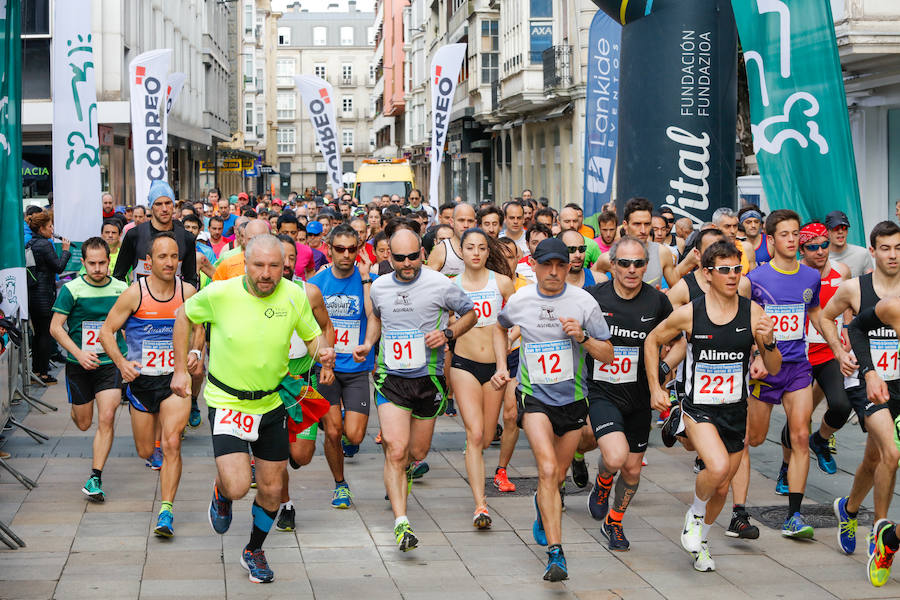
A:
[557,67]
[347,81]
[495,95]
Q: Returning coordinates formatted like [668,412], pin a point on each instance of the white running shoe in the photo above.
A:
[692,534]
[703,562]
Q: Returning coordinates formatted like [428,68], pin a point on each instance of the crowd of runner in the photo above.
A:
[516,316]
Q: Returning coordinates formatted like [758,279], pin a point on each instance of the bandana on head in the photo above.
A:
[811,232]
[751,214]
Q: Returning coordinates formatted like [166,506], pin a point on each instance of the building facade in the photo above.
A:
[389,92]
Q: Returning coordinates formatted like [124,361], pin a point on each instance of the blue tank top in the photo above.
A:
[345,302]
[148,331]
[762,251]
[588,279]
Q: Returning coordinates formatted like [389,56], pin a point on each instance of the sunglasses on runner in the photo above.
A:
[574,249]
[345,249]
[413,256]
[626,263]
[726,269]
[814,247]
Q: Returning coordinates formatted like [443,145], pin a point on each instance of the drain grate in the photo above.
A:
[527,486]
[816,515]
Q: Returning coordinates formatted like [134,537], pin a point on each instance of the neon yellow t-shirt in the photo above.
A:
[250,338]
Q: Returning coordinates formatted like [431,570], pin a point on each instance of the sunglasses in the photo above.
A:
[345,249]
[669,220]
[814,247]
[726,269]
[413,256]
[627,263]
[574,249]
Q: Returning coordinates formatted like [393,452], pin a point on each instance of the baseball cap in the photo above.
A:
[278,202]
[549,249]
[836,218]
[243,196]
[314,228]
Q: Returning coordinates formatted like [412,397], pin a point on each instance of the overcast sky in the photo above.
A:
[321,5]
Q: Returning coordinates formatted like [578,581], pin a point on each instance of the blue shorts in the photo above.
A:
[793,376]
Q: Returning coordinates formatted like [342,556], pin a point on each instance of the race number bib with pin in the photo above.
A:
[884,357]
[236,424]
[90,337]
[787,320]
[623,368]
[549,362]
[718,384]
[404,349]
[814,337]
[346,335]
[157,357]
[487,307]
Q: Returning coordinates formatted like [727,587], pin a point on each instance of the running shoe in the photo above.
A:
[341,496]
[286,519]
[881,559]
[450,410]
[256,564]
[615,535]
[598,500]
[349,449]
[556,566]
[164,524]
[418,468]
[846,526]
[740,527]
[482,520]
[219,512]
[93,490]
[661,419]
[870,543]
[406,539]
[252,473]
[194,420]
[781,484]
[378,438]
[699,465]
[155,460]
[537,529]
[579,473]
[703,562]
[824,458]
[795,527]
[692,534]
[832,444]
[668,429]
[502,482]
[498,435]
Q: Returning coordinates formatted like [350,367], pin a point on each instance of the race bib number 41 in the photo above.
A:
[157,357]
[404,349]
[718,384]
[90,337]
[788,321]
[884,357]
[623,368]
[237,424]
[549,362]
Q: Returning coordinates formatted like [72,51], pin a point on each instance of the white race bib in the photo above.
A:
[623,369]
[718,384]
[487,307]
[549,362]
[788,321]
[157,357]
[346,335]
[298,347]
[237,424]
[90,337]
[404,349]
[884,357]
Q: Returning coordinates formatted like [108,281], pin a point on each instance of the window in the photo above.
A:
[320,36]
[371,73]
[35,17]
[285,69]
[248,17]
[347,139]
[370,36]
[372,142]
[248,117]
[287,140]
[248,70]
[319,70]
[260,123]
[347,104]
[490,55]
[347,73]
[284,36]
[346,36]
[286,105]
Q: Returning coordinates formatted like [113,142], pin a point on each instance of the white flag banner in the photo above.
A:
[148,74]
[445,68]
[77,211]
[316,94]
[173,89]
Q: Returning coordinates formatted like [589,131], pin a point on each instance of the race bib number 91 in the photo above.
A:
[237,424]
[404,349]
[157,357]
[718,384]
[549,362]
[788,321]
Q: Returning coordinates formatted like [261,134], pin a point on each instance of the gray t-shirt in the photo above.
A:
[407,311]
[551,364]
[856,258]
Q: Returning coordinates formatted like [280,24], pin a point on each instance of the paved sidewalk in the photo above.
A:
[82,550]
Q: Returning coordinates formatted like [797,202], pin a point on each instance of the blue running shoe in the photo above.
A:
[870,543]
[598,500]
[537,530]
[781,485]
[795,527]
[164,527]
[615,535]
[255,563]
[846,526]
[556,566]
[341,497]
[350,450]
[219,512]
[824,458]
[155,460]
[194,420]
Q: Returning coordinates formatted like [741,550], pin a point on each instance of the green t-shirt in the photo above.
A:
[592,253]
[83,302]
[226,254]
[250,338]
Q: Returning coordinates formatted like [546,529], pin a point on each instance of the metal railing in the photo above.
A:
[557,62]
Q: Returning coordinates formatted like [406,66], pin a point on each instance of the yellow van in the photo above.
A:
[379,176]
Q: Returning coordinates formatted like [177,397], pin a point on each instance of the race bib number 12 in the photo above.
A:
[549,362]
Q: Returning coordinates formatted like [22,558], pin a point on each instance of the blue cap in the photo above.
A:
[314,228]
[159,189]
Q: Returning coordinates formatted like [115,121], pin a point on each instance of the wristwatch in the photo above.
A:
[587,336]
[664,370]
[448,333]
[365,281]
[770,347]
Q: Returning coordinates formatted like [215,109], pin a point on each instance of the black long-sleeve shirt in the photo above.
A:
[136,246]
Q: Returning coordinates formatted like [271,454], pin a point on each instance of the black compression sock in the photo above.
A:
[96,473]
[262,523]
[794,501]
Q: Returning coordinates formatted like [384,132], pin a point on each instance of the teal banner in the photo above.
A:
[801,131]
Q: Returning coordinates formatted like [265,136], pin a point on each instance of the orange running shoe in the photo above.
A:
[502,482]
[378,438]
[481,520]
